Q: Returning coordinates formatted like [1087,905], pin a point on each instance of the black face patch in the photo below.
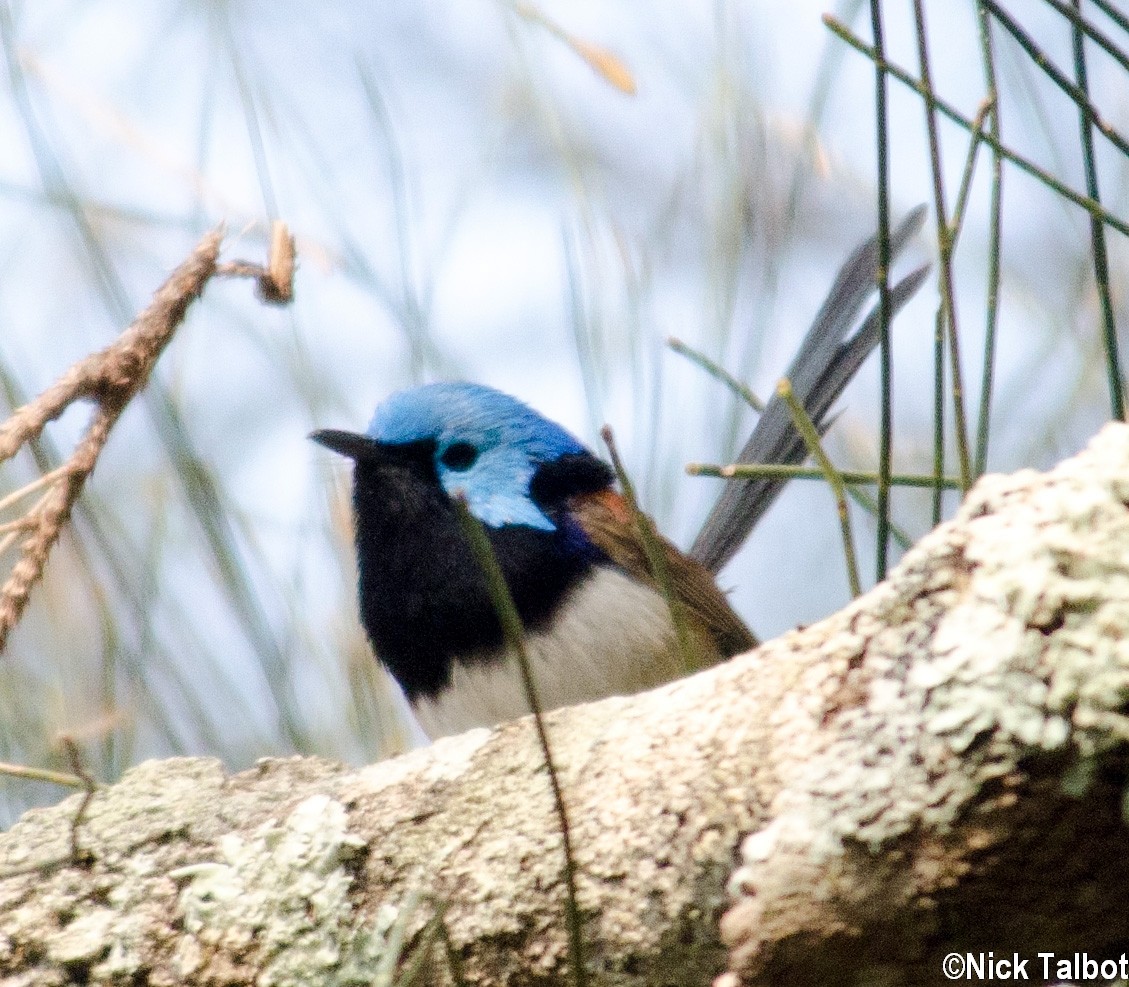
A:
[459,456]
[424,602]
[417,458]
[571,474]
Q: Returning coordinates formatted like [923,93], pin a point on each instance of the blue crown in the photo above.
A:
[510,439]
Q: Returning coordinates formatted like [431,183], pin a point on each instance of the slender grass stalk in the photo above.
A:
[852,478]
[995,231]
[938,415]
[717,371]
[901,537]
[587,348]
[1097,229]
[397,938]
[946,109]
[810,433]
[745,471]
[656,559]
[415,318]
[1099,38]
[454,961]
[885,358]
[204,496]
[1052,72]
[251,121]
[42,774]
[961,207]
[1089,118]
[955,227]
[945,241]
[1112,13]
[822,90]
[514,636]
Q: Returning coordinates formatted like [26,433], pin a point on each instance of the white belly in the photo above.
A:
[611,636]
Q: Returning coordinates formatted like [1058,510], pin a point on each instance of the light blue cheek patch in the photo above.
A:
[496,488]
[500,509]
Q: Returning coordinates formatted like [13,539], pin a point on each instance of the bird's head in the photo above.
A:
[504,459]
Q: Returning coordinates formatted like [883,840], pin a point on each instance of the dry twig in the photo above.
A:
[110,378]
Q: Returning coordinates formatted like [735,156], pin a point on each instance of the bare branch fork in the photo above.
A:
[110,379]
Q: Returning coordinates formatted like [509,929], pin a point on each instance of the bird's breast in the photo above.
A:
[611,635]
[424,601]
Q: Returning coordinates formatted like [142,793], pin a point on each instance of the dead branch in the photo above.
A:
[110,379]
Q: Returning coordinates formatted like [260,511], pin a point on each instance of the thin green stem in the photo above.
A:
[945,242]
[745,471]
[514,636]
[810,434]
[1102,40]
[397,939]
[955,228]
[938,415]
[1097,230]
[1076,92]
[1113,13]
[995,233]
[870,505]
[885,360]
[956,225]
[717,371]
[41,774]
[948,110]
[414,316]
[421,960]
[852,479]
[454,960]
[656,559]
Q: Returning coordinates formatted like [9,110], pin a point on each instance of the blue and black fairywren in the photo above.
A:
[596,622]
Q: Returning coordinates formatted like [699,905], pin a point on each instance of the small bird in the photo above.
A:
[597,622]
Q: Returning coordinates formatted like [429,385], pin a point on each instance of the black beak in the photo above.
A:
[352,444]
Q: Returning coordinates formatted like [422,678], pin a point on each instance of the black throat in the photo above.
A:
[423,600]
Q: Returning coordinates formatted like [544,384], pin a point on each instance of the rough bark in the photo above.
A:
[939,767]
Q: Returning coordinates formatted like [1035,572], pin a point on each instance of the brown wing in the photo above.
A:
[606,518]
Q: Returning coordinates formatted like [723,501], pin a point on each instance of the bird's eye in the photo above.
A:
[459,456]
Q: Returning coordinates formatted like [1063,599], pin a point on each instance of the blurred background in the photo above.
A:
[534,196]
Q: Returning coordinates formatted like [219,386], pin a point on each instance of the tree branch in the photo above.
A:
[938,767]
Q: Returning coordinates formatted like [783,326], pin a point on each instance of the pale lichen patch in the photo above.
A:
[1000,636]
[282,894]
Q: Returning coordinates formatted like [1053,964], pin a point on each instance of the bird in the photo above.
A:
[597,621]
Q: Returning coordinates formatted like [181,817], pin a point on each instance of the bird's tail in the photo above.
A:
[827,360]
